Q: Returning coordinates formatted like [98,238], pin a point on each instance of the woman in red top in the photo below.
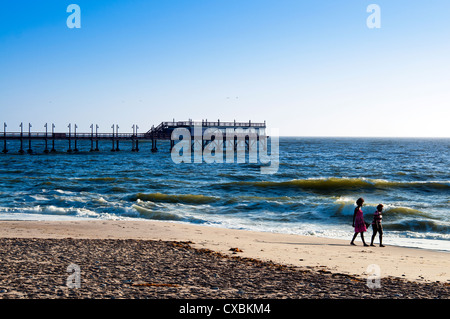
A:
[358,222]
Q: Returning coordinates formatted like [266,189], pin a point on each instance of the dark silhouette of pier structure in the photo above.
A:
[161,132]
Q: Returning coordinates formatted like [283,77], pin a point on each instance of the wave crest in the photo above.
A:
[334,183]
[181,198]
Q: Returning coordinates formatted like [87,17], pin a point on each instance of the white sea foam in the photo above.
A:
[39,197]
[101,200]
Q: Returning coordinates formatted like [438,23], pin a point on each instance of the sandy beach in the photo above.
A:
[153,259]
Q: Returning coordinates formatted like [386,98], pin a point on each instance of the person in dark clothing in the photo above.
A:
[376,225]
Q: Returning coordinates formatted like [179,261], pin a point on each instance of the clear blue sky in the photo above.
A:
[309,68]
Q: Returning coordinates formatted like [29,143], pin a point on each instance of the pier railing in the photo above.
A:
[80,136]
[214,123]
[163,126]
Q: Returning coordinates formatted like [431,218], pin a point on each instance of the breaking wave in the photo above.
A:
[182,198]
[330,184]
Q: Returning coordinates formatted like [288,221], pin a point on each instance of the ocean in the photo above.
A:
[313,193]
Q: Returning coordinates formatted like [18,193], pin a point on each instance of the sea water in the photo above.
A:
[313,192]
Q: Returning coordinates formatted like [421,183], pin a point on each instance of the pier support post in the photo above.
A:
[46,142]
[29,151]
[70,144]
[75,149]
[5,150]
[92,138]
[133,149]
[96,138]
[53,139]
[113,149]
[21,139]
[117,141]
[137,141]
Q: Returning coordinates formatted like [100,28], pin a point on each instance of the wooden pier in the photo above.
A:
[161,132]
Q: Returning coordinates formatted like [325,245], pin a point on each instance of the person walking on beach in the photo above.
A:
[376,225]
[358,222]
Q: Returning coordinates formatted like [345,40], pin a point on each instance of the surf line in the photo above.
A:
[209,145]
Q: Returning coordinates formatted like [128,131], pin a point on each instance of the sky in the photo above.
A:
[307,68]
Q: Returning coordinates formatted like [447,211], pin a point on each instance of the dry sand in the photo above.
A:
[152,259]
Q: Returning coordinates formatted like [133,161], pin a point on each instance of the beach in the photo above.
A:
[169,260]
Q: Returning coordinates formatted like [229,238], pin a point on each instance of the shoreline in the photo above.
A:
[302,252]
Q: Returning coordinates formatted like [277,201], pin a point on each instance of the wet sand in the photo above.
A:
[150,259]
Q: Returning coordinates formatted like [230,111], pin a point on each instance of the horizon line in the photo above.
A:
[349,136]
